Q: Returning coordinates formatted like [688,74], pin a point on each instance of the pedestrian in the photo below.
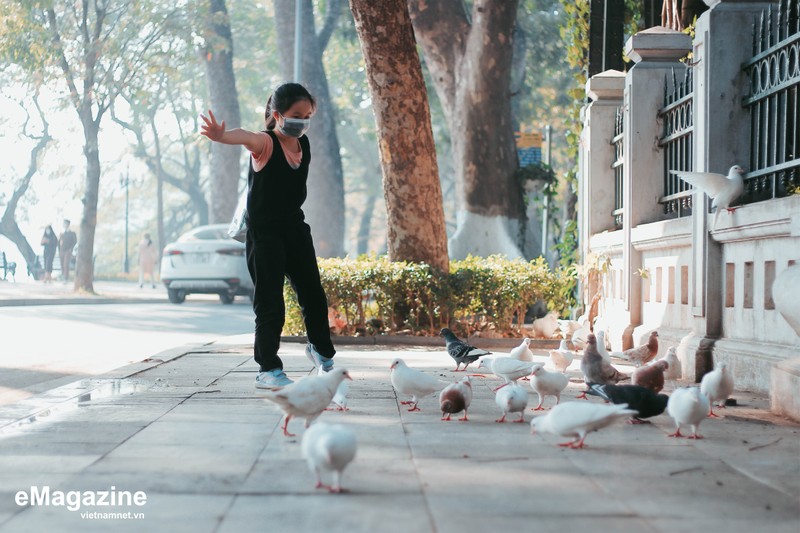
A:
[50,243]
[148,257]
[66,243]
[278,242]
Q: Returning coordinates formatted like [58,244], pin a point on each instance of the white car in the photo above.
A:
[205,260]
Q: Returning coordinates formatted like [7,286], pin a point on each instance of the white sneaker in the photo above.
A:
[274,379]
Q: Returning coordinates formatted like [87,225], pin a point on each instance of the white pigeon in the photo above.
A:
[562,357]
[412,382]
[577,419]
[717,385]
[546,383]
[523,351]
[579,338]
[674,370]
[328,448]
[512,399]
[724,190]
[455,398]
[688,407]
[506,368]
[567,328]
[340,398]
[308,397]
[601,346]
[546,326]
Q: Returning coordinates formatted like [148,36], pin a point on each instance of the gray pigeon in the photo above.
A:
[597,370]
[460,351]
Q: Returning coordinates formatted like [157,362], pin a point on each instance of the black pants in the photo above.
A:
[271,255]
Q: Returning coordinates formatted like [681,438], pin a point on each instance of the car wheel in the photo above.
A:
[226,297]
[176,296]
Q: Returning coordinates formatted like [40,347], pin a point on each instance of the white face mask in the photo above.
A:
[294,127]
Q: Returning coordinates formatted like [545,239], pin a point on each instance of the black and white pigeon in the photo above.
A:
[460,351]
[645,401]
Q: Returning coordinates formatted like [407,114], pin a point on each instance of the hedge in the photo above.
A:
[374,295]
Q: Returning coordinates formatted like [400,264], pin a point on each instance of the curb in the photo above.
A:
[77,301]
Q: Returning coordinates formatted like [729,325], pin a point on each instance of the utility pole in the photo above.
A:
[298,39]
[124,182]
[546,210]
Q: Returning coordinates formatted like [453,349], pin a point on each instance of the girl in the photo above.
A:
[278,239]
[50,243]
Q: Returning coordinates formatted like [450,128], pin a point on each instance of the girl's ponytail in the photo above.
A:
[269,120]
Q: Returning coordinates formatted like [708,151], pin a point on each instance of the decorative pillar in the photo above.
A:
[656,52]
[596,180]
[723,41]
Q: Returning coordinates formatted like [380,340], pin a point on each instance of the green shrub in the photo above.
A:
[375,295]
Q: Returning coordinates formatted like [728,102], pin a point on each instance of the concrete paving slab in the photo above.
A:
[208,451]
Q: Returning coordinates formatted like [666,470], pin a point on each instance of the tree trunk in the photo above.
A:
[362,244]
[470,63]
[84,262]
[324,207]
[225,159]
[405,139]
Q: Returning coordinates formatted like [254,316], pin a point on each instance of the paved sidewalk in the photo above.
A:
[189,431]
[29,292]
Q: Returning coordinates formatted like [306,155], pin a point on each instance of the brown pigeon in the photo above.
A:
[651,376]
[641,354]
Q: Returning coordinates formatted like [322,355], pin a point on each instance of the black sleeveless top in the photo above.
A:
[277,191]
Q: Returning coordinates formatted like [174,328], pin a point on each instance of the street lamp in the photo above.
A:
[124,180]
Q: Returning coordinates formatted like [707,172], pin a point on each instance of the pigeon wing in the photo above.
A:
[709,182]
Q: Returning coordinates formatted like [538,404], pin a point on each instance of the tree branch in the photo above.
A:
[62,59]
[331,18]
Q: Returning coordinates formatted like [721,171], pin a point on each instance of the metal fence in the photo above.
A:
[617,165]
[676,140]
[774,73]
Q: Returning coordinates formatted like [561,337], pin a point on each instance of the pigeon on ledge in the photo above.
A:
[724,190]
[641,354]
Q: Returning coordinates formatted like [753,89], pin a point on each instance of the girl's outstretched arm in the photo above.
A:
[215,131]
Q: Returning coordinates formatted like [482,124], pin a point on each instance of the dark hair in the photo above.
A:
[283,98]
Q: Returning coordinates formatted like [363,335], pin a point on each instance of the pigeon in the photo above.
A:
[460,351]
[547,384]
[522,352]
[650,376]
[340,398]
[601,345]
[512,399]
[567,328]
[724,190]
[455,398]
[507,368]
[717,385]
[329,448]
[644,401]
[546,326]
[410,381]
[641,354]
[596,369]
[688,406]
[673,372]
[308,397]
[562,357]
[576,419]
[579,338]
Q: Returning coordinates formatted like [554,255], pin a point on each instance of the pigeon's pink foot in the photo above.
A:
[566,444]
[712,414]
[521,419]
[336,490]
[676,434]
[578,445]
[500,387]
[406,403]
[285,429]
[415,408]
[464,418]
[695,436]
[638,421]
[459,370]
[732,209]
[581,395]
[538,408]
[447,418]
[501,420]
[342,408]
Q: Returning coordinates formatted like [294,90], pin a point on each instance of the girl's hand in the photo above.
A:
[212,129]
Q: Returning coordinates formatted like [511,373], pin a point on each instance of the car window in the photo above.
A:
[209,234]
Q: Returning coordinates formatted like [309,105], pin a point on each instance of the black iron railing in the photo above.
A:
[618,165]
[774,73]
[676,140]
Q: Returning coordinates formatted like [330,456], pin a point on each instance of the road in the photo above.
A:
[43,347]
